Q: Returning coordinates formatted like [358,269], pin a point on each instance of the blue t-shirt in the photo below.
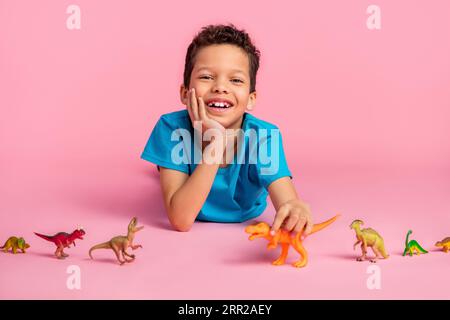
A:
[239,191]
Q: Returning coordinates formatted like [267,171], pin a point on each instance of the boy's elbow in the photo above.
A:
[182,228]
[180,225]
[178,217]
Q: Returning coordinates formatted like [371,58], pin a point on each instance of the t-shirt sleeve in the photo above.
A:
[272,164]
[165,147]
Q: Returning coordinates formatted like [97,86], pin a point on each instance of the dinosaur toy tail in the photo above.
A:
[43,236]
[317,227]
[320,226]
[104,245]
[421,249]
[383,252]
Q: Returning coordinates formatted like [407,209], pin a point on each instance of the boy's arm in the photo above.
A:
[292,213]
[185,195]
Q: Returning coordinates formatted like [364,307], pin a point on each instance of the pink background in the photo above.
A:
[364,116]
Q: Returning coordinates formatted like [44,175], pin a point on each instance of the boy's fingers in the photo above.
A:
[291,222]
[188,106]
[189,95]
[309,226]
[279,218]
[300,225]
[194,106]
[201,109]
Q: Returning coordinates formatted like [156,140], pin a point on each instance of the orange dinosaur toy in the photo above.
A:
[262,230]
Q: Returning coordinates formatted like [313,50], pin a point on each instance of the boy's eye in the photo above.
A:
[210,77]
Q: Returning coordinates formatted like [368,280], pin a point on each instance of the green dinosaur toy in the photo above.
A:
[15,243]
[412,246]
[368,238]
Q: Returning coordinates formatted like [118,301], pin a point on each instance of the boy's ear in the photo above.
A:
[183,94]
[251,101]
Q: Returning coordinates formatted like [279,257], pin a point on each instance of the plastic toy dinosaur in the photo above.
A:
[63,240]
[15,243]
[368,237]
[120,244]
[412,246]
[262,230]
[445,244]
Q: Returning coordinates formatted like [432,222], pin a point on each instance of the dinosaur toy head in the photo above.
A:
[22,244]
[132,226]
[439,244]
[356,224]
[259,230]
[79,233]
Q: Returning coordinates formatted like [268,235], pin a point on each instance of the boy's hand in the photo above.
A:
[197,112]
[293,215]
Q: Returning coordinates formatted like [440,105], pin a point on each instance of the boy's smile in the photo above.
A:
[221,77]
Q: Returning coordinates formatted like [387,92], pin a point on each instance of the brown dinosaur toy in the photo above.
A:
[120,244]
[262,230]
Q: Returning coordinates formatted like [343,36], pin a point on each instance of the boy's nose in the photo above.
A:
[219,87]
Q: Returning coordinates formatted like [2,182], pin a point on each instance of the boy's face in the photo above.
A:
[222,72]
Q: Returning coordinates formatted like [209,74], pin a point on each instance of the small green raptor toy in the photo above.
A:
[412,246]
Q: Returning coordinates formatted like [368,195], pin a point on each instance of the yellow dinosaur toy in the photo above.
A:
[15,244]
[368,238]
[445,244]
[262,230]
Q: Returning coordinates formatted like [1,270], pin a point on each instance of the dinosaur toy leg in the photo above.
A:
[116,251]
[58,251]
[14,250]
[284,253]
[274,242]
[124,253]
[355,244]
[303,255]
[61,254]
[364,253]
[446,248]
[7,246]
[378,254]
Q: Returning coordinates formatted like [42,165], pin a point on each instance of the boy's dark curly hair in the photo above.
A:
[222,34]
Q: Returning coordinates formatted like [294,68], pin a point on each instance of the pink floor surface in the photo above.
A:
[216,261]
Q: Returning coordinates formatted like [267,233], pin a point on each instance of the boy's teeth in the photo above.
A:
[218,105]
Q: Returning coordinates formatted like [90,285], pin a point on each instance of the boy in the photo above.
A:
[218,88]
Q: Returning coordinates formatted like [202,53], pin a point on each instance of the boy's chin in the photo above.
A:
[226,121]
